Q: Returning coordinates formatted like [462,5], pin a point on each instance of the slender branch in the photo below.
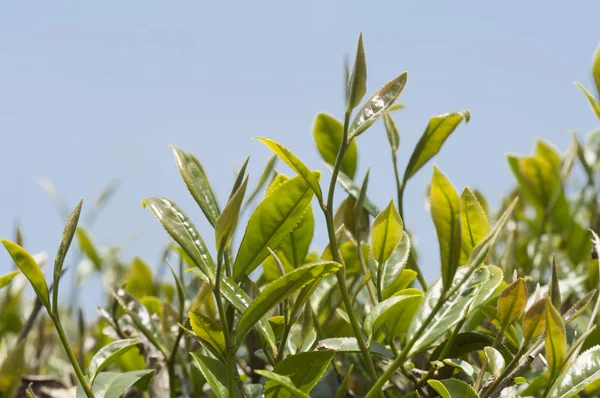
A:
[230,355]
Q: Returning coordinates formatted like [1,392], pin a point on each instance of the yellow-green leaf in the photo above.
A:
[357,82]
[208,330]
[7,278]
[453,388]
[395,313]
[296,245]
[556,339]
[139,279]
[596,69]
[390,272]
[328,134]
[227,222]
[474,223]
[534,321]
[30,269]
[392,132]
[87,247]
[512,302]
[445,211]
[386,233]
[592,101]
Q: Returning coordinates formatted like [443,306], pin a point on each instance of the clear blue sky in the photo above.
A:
[95,91]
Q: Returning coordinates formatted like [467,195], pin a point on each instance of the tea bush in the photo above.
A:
[513,313]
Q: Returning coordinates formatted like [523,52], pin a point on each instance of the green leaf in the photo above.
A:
[304,371]
[354,190]
[350,344]
[596,69]
[108,355]
[343,387]
[296,245]
[386,233]
[7,278]
[268,170]
[390,272]
[274,218]
[228,220]
[512,302]
[453,388]
[554,285]
[197,183]
[357,81]
[277,291]
[139,279]
[468,342]
[495,361]
[438,130]
[474,223]
[328,135]
[181,229]
[215,374]
[394,313]
[63,248]
[312,178]
[534,321]
[87,247]
[377,105]
[12,369]
[556,339]
[592,101]
[112,384]
[445,211]
[239,179]
[392,132]
[583,372]
[454,309]
[538,179]
[30,269]
[284,382]
[208,330]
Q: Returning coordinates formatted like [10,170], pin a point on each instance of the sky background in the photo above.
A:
[96,91]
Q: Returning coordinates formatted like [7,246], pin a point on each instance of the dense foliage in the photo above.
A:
[512,314]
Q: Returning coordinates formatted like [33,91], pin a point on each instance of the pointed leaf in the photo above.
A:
[512,302]
[7,278]
[596,69]
[445,211]
[277,291]
[264,177]
[556,339]
[215,374]
[594,104]
[386,233]
[197,183]
[304,371]
[583,372]
[453,388]
[392,132]
[404,279]
[438,130]
[112,384]
[227,221]
[357,81]
[274,218]
[30,269]
[87,247]
[109,354]
[296,245]
[474,223]
[534,321]
[63,248]
[392,269]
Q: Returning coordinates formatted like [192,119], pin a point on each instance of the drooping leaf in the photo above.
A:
[312,178]
[274,218]
[328,135]
[284,382]
[197,183]
[279,290]
[357,81]
[474,223]
[594,104]
[453,388]
[208,330]
[556,339]
[377,105]
[303,369]
[228,220]
[445,211]
[438,130]
[88,248]
[181,229]
[7,278]
[30,269]
[108,355]
[215,374]
[512,302]
[584,371]
[395,313]
[112,384]
[392,132]
[349,344]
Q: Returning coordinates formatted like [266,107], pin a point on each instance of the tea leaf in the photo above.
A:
[268,170]
[197,183]
[7,278]
[63,248]
[392,132]
[215,374]
[474,223]
[111,384]
[239,179]
[284,382]
[495,361]
[328,135]
[583,372]
[304,371]
[468,342]
[357,81]
[438,130]
[30,269]
[534,321]
[12,369]
[312,178]
[181,229]
[139,279]
[108,355]
[208,330]
[349,344]
[296,245]
[445,211]
[538,179]
[395,313]
[277,291]
[390,272]
[274,218]
[227,221]
[556,339]
[377,105]
[554,285]
[87,247]
[512,302]
[354,190]
[453,388]
[386,233]
[596,69]
[592,101]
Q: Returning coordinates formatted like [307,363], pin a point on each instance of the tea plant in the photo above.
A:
[513,313]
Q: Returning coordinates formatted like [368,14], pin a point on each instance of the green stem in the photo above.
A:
[229,354]
[171,364]
[65,342]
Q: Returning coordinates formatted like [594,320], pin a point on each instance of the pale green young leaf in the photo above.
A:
[312,178]
[239,178]
[296,245]
[392,132]
[88,248]
[63,248]
[304,371]
[284,382]
[495,361]
[264,177]
[7,278]
[596,69]
[30,269]
[272,221]
[548,152]
[474,223]
[208,330]
[584,371]
[395,313]
[512,302]
[453,388]
[139,279]
[328,135]
[594,104]
[108,354]
[277,291]
[556,339]
[112,384]
[198,184]
[445,211]
[390,271]
[377,105]
[404,279]
[534,321]
[12,369]
[228,220]
[386,233]
[438,130]
[538,179]
[181,229]
[215,374]
[357,81]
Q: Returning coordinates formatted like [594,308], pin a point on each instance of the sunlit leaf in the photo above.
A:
[386,233]
[65,243]
[328,132]
[227,221]
[512,302]
[215,374]
[474,223]
[296,245]
[349,344]
[284,382]
[108,354]
[139,279]
[88,248]
[584,371]
[357,81]
[303,369]
[594,104]
[395,313]
[556,339]
[112,384]
[534,321]
[264,177]
[495,361]
[7,278]
[392,132]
